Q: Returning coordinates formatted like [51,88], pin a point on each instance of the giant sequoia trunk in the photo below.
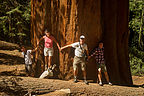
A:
[96,19]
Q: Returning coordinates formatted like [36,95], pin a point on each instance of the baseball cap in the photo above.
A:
[82,37]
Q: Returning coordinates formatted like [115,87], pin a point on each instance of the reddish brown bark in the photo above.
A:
[97,20]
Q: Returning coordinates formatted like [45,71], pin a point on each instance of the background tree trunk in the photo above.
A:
[115,28]
[97,20]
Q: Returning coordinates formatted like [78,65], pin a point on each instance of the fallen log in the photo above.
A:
[22,85]
[8,46]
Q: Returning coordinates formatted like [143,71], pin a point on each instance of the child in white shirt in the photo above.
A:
[28,59]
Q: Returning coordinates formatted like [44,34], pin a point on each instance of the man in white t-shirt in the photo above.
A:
[28,60]
[81,50]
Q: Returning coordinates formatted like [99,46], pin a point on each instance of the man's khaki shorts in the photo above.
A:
[102,66]
[79,60]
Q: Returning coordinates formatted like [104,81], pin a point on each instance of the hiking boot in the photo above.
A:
[110,83]
[100,83]
[75,80]
[86,82]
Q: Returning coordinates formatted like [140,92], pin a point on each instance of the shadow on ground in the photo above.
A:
[10,59]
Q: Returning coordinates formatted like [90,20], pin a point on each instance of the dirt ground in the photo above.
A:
[11,64]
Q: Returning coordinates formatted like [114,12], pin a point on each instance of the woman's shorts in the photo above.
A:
[48,51]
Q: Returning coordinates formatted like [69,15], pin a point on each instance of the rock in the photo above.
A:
[45,74]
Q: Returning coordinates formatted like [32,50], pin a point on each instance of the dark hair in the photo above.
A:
[21,46]
[25,47]
[46,31]
[100,42]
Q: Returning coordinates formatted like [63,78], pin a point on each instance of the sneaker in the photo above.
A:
[86,82]
[75,80]
[100,83]
[49,69]
[110,83]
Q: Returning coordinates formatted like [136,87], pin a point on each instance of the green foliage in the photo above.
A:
[136,61]
[137,22]
[136,40]
[15,21]
[13,11]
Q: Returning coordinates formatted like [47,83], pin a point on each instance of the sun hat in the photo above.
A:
[82,37]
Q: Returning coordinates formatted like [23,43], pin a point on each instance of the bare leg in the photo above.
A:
[107,77]
[99,75]
[46,63]
[75,73]
[84,74]
[50,60]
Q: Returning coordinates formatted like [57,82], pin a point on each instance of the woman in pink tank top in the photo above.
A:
[48,49]
[48,41]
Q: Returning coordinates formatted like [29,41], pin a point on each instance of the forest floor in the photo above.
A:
[13,82]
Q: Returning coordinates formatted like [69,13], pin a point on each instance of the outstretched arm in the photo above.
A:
[34,50]
[87,52]
[66,46]
[57,43]
[40,40]
[94,53]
